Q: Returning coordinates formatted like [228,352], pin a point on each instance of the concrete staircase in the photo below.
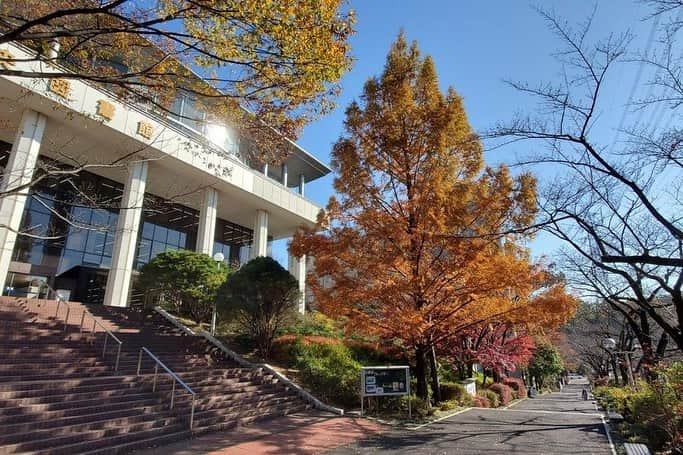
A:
[60,395]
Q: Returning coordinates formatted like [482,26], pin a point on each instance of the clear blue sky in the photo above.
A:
[476,45]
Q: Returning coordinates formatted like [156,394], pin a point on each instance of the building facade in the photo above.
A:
[126,183]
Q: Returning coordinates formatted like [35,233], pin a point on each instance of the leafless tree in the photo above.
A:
[618,207]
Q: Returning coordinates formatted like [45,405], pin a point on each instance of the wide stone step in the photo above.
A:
[90,440]
[73,425]
[67,373]
[219,421]
[67,384]
[139,399]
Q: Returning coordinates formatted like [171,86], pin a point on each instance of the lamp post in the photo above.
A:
[218,257]
[610,344]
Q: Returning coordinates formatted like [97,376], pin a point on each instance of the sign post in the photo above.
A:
[385,381]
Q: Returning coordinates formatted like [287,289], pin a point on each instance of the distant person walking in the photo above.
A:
[584,394]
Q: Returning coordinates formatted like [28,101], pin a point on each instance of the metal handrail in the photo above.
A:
[174,376]
[107,333]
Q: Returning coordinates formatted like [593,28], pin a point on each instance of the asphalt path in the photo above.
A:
[555,423]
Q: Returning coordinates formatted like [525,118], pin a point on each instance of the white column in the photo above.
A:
[207,222]
[260,246]
[19,172]
[297,267]
[302,184]
[118,281]
[284,174]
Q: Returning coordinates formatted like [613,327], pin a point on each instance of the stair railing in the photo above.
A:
[176,379]
[95,323]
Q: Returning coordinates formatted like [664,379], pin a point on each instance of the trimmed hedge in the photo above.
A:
[504,392]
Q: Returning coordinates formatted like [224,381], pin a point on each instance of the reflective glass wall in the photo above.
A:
[69,227]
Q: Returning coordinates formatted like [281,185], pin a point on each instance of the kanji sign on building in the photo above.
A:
[60,87]
[6,59]
[145,129]
[105,109]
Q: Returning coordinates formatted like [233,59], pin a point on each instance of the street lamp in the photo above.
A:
[218,257]
[610,345]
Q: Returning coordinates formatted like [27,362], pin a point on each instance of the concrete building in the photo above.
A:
[180,184]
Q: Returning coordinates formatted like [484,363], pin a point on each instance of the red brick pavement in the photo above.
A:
[307,434]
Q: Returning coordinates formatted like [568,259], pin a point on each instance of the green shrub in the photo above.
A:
[449,405]
[420,408]
[452,391]
[329,371]
[493,397]
[183,282]
[261,296]
[616,398]
[467,400]
[315,324]
[654,411]
[504,392]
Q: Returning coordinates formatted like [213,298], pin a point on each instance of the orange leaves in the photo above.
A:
[412,249]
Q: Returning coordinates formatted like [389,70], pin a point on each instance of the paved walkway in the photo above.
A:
[556,423]
[306,434]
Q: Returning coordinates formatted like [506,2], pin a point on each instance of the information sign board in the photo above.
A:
[385,381]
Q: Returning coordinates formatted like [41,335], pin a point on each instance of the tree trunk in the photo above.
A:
[613,359]
[434,368]
[661,346]
[421,373]
[623,370]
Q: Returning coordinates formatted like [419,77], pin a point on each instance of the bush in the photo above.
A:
[493,397]
[452,391]
[616,398]
[284,348]
[183,282]
[517,386]
[329,372]
[654,412]
[481,401]
[504,392]
[261,297]
[419,407]
[449,405]
[467,400]
[315,324]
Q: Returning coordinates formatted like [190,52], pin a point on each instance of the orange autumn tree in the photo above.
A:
[504,340]
[406,252]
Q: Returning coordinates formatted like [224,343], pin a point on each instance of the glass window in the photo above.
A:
[69,260]
[92,259]
[174,238]
[160,234]
[148,230]
[76,238]
[95,243]
[142,255]
[193,116]
[176,107]
[157,247]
